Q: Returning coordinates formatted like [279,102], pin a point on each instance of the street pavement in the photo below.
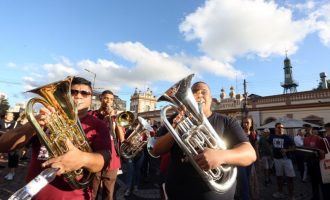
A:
[148,190]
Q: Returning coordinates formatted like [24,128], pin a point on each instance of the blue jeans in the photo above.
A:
[244,181]
[133,167]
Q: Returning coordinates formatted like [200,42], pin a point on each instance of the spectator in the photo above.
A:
[266,155]
[282,146]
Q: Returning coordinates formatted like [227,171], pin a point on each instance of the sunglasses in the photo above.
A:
[82,92]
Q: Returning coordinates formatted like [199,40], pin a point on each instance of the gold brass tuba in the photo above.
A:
[138,138]
[194,133]
[63,125]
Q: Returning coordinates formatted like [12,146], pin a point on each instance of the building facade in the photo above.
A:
[310,106]
[143,101]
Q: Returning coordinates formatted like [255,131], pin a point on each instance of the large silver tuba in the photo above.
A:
[138,138]
[194,133]
[63,125]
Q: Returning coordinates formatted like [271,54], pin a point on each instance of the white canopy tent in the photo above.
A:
[288,123]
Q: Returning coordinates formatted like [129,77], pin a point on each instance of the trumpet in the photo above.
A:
[139,137]
[109,119]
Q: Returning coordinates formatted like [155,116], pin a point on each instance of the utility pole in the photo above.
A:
[245,110]
[93,106]
[93,86]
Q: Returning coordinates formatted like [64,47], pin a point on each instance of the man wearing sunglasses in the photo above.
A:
[282,146]
[96,134]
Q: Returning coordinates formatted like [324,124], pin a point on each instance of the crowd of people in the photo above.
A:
[272,152]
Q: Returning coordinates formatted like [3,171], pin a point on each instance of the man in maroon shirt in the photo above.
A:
[108,177]
[96,133]
[313,167]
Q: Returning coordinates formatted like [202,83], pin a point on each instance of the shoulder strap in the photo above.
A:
[327,146]
[15,124]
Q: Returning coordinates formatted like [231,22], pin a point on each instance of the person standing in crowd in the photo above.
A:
[107,178]
[266,155]
[183,181]
[325,187]
[133,166]
[13,156]
[96,133]
[299,158]
[314,141]
[283,147]
[22,119]
[247,176]
[150,167]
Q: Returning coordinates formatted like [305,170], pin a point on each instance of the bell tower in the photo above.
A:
[289,85]
[143,101]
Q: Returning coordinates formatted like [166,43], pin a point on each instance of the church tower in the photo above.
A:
[289,85]
[143,101]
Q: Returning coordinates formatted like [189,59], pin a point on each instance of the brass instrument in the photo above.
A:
[63,125]
[194,133]
[113,133]
[125,119]
[138,138]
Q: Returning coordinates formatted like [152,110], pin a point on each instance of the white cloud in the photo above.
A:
[144,67]
[11,64]
[226,29]
[60,70]
[206,64]
[29,83]
[148,64]
[304,6]
[322,17]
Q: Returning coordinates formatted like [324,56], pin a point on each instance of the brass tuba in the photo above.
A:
[63,125]
[138,138]
[194,133]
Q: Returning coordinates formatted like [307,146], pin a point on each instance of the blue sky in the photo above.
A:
[148,43]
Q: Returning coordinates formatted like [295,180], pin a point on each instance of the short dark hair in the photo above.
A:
[327,125]
[252,122]
[79,80]
[278,123]
[196,83]
[106,92]
[307,126]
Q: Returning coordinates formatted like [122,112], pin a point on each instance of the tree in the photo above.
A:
[4,106]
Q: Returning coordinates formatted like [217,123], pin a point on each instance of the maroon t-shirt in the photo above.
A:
[97,134]
[115,158]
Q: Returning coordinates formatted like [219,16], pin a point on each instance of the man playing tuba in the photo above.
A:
[183,180]
[74,159]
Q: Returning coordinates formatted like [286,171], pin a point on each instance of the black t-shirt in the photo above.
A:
[183,181]
[280,142]
[7,125]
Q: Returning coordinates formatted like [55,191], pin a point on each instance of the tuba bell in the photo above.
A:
[125,119]
[138,138]
[194,133]
[63,125]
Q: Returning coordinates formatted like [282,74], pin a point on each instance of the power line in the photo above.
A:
[9,82]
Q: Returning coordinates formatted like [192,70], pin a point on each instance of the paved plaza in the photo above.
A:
[149,190]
